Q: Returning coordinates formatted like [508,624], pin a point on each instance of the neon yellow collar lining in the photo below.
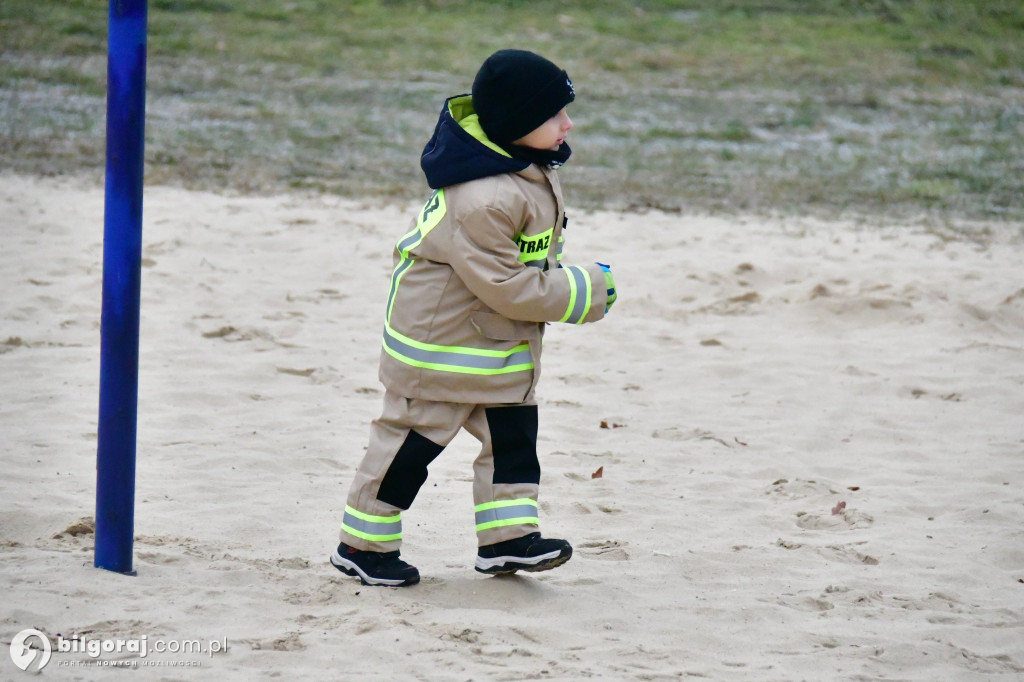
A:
[461,109]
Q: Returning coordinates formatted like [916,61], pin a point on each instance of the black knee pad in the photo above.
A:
[408,470]
[514,443]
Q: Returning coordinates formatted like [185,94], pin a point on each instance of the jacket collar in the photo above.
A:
[459,150]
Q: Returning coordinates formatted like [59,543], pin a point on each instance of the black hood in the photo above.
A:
[459,150]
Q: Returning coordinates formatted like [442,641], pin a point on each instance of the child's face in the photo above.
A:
[548,135]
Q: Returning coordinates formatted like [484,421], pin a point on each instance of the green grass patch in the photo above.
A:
[896,106]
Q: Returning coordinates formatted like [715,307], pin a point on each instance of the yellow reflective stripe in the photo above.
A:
[500,504]
[590,291]
[484,352]
[506,513]
[372,528]
[396,277]
[579,295]
[429,218]
[572,293]
[362,516]
[459,359]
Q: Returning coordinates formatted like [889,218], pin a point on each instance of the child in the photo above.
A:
[475,279]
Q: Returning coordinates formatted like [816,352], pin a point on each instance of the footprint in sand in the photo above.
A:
[845,519]
[610,550]
[808,604]
[847,555]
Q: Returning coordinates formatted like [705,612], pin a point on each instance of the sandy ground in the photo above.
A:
[811,436]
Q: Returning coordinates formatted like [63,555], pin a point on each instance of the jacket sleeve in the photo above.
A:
[485,256]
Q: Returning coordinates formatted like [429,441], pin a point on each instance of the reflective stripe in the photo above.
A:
[506,513]
[373,528]
[579,295]
[561,245]
[429,218]
[407,242]
[460,359]
[395,277]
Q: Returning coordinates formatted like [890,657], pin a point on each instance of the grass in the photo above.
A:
[894,107]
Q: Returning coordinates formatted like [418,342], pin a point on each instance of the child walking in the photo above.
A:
[475,280]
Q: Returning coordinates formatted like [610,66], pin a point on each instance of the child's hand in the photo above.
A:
[610,283]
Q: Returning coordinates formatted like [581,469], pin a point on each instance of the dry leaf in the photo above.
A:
[838,508]
[599,473]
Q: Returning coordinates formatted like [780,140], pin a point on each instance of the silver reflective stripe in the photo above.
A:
[410,241]
[496,515]
[395,276]
[380,530]
[579,309]
[424,223]
[455,361]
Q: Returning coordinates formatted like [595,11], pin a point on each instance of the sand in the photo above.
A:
[810,436]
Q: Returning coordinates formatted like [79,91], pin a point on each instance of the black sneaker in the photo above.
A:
[374,568]
[529,553]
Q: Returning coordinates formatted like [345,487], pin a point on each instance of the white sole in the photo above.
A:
[514,563]
[349,568]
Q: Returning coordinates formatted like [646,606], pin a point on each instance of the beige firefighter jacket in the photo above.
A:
[475,279]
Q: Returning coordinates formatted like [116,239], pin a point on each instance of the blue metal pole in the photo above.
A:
[122,274]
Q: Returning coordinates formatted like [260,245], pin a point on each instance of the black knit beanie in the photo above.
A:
[515,91]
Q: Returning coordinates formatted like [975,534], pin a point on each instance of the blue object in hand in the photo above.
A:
[610,283]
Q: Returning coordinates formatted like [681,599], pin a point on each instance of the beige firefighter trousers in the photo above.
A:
[434,425]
